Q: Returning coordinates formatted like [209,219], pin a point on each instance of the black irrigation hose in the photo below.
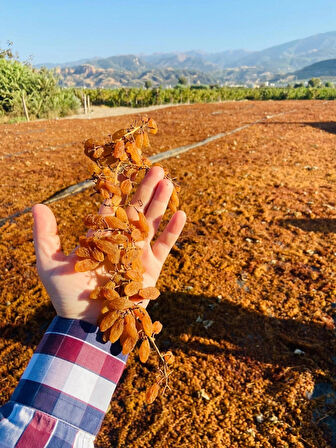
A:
[81,186]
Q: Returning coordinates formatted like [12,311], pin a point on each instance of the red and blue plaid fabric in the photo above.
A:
[64,393]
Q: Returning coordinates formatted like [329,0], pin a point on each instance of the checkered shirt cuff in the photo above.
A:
[72,375]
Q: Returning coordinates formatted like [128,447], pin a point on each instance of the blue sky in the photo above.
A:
[68,30]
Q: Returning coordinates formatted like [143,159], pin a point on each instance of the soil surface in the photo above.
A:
[248,293]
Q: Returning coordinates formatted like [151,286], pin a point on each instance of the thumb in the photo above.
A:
[46,241]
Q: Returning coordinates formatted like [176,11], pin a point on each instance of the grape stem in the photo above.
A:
[133,130]
[165,371]
[117,173]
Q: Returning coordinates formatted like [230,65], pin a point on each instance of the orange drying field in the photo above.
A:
[248,293]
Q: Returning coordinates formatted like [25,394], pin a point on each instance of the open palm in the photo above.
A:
[69,290]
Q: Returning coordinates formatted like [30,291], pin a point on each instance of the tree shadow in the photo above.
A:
[326,126]
[318,225]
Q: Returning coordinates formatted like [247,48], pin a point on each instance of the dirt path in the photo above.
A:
[104,111]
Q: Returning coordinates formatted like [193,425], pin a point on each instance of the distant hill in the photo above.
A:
[318,70]
[89,76]
[231,66]
[127,62]
[286,57]
[326,70]
[190,60]
[92,77]
[196,60]
[294,55]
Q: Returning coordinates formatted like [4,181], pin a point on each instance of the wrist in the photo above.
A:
[86,310]
[90,318]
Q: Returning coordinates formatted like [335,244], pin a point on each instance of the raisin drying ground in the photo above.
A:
[250,282]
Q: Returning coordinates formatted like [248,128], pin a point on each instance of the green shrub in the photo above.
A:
[43,96]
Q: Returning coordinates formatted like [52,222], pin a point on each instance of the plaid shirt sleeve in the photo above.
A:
[64,393]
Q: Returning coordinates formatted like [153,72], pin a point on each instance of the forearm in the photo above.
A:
[65,390]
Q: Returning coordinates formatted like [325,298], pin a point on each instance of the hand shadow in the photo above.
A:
[246,334]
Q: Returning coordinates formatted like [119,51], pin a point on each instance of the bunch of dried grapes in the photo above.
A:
[113,243]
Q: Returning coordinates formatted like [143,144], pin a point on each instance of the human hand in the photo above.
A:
[69,290]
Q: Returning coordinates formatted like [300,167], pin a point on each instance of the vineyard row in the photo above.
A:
[138,97]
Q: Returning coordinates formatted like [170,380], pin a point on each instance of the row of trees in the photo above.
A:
[315,82]
[138,97]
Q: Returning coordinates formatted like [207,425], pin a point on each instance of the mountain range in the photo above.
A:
[226,67]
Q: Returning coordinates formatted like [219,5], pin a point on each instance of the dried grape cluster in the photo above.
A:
[113,243]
